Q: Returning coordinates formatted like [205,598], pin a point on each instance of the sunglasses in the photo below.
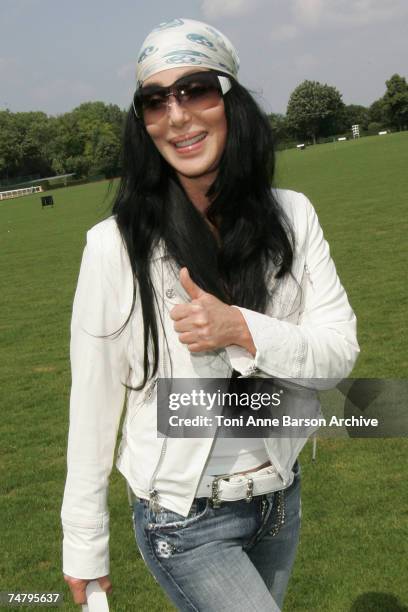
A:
[193,92]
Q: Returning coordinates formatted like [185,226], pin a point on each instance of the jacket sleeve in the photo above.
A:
[323,344]
[99,369]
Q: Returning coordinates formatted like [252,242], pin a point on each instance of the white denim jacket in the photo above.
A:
[307,334]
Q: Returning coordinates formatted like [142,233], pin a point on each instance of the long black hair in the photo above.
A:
[151,205]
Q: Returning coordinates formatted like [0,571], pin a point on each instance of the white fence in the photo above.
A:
[16,193]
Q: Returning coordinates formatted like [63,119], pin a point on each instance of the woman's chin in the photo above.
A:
[195,168]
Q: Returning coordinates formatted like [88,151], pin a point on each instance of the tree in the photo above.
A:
[85,141]
[279,127]
[103,151]
[396,101]
[68,146]
[9,142]
[378,112]
[88,140]
[354,114]
[314,109]
[24,144]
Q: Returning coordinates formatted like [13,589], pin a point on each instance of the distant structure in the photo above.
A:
[58,177]
[356,131]
[16,193]
[29,187]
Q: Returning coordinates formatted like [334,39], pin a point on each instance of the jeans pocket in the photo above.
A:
[166,520]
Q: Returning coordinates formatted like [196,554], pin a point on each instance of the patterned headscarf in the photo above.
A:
[185,42]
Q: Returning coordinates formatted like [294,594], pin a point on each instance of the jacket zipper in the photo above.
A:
[308,275]
[154,499]
[150,389]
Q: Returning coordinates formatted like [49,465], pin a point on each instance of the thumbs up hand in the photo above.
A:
[193,290]
[205,323]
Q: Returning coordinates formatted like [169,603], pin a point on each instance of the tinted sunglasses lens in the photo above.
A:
[151,106]
[199,92]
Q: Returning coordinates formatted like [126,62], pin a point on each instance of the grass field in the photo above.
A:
[353,551]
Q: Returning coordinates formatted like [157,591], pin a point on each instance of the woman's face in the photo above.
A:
[190,160]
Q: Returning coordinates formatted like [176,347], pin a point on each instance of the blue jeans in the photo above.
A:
[234,558]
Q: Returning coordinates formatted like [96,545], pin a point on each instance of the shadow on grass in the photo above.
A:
[377,602]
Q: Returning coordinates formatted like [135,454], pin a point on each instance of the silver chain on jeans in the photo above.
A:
[280,513]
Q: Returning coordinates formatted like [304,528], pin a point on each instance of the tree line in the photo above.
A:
[87,140]
[316,110]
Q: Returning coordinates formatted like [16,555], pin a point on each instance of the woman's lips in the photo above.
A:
[190,144]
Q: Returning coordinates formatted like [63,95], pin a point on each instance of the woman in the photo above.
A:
[204,272]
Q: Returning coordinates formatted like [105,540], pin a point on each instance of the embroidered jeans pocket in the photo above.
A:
[166,520]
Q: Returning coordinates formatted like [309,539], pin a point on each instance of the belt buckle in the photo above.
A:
[249,491]
[214,499]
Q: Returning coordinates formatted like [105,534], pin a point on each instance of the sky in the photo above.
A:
[54,55]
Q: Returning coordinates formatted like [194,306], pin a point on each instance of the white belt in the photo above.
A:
[240,486]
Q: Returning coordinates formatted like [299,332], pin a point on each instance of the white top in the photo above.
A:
[230,455]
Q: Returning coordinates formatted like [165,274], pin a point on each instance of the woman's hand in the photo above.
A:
[78,587]
[206,323]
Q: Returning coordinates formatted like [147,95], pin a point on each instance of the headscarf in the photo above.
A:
[185,42]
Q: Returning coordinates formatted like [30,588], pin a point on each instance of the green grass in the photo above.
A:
[351,555]
[359,189]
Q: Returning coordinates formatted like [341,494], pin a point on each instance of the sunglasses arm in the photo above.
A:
[134,108]
[225,84]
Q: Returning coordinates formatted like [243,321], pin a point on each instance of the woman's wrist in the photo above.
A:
[240,334]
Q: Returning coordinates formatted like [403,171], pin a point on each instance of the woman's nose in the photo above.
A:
[176,113]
